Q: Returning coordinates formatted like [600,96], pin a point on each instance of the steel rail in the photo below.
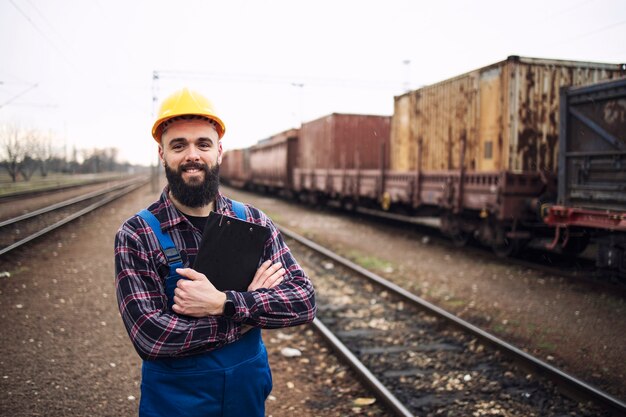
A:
[379,389]
[73,216]
[570,385]
[65,203]
[4,198]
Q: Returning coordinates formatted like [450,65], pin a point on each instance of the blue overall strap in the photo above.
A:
[169,250]
[239,210]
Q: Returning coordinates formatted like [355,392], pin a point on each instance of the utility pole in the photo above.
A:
[156,171]
[407,75]
[155,91]
[300,86]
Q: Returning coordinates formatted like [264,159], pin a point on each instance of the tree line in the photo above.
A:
[23,152]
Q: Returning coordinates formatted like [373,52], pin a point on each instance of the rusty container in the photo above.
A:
[503,117]
[345,141]
[272,160]
[235,167]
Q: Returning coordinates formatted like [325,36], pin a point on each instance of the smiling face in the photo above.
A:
[190,141]
[191,153]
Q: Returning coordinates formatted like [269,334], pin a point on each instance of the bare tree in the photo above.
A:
[98,160]
[111,158]
[12,148]
[22,152]
[32,147]
[45,153]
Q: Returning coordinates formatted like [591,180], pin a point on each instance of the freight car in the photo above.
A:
[482,147]
[235,168]
[591,203]
[342,157]
[272,162]
[479,150]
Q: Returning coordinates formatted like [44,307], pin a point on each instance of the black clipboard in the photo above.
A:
[230,251]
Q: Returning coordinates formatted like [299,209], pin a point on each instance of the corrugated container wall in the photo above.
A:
[500,117]
[234,165]
[344,141]
[272,160]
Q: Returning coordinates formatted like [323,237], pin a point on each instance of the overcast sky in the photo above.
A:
[82,71]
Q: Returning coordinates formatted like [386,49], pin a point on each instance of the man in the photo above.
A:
[205,355]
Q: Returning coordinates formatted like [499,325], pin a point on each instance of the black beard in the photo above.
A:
[196,194]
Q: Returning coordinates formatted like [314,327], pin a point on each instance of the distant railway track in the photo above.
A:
[22,229]
[54,187]
[420,360]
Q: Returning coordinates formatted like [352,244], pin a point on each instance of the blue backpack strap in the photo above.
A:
[239,210]
[169,250]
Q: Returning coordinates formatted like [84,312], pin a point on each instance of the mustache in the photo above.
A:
[193,165]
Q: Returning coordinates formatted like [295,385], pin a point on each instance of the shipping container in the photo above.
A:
[344,141]
[503,117]
[272,160]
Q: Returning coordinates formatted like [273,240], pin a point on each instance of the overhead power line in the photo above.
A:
[593,32]
[571,7]
[46,37]
[602,29]
[40,105]
[47,21]
[281,79]
[18,95]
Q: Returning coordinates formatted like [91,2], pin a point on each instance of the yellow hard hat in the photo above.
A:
[186,103]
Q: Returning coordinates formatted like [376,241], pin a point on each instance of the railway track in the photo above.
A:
[535,256]
[19,230]
[421,360]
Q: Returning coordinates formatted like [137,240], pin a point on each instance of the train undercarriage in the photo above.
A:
[501,210]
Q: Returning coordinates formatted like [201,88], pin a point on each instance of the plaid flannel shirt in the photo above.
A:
[141,269]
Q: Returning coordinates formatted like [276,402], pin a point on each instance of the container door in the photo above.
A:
[489,153]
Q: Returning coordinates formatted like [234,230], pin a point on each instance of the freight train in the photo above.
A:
[509,153]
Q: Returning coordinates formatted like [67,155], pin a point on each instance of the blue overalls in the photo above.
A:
[232,381]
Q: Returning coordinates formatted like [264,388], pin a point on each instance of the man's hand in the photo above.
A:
[267,276]
[197,297]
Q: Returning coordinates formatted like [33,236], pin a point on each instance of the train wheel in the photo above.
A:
[504,246]
[348,204]
[451,226]
[461,238]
